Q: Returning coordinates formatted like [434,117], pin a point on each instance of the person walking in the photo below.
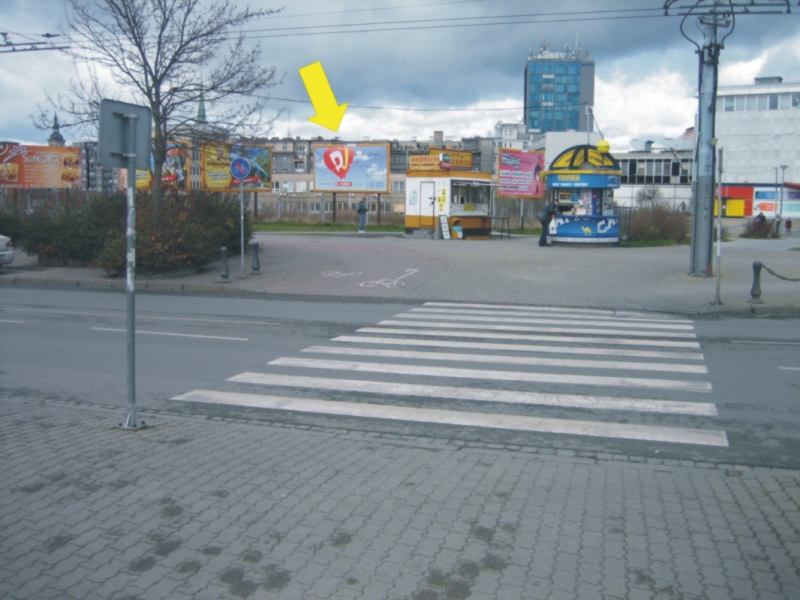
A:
[787,226]
[550,211]
[361,209]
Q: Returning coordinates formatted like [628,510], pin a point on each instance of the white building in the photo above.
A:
[758,127]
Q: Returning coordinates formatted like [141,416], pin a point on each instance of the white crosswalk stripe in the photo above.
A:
[571,349]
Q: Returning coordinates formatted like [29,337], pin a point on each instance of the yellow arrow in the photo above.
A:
[329,113]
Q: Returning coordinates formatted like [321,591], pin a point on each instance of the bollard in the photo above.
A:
[224,252]
[256,264]
[755,292]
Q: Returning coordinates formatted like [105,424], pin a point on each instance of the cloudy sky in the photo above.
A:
[428,56]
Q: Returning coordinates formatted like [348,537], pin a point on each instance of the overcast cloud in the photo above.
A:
[646,71]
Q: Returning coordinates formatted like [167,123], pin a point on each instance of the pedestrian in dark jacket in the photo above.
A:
[361,209]
[550,211]
[787,226]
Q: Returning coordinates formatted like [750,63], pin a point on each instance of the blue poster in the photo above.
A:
[353,168]
[585,229]
[582,180]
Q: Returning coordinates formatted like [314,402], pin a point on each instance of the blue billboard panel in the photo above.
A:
[352,168]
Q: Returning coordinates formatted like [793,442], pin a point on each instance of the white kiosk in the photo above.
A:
[462,197]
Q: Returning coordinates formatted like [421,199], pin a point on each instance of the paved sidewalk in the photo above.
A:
[504,271]
[219,508]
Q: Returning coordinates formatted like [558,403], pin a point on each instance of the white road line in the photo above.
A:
[516,336]
[790,368]
[585,311]
[511,360]
[564,314]
[9,321]
[362,339]
[675,435]
[540,329]
[705,409]
[139,316]
[423,371]
[545,321]
[186,335]
[766,343]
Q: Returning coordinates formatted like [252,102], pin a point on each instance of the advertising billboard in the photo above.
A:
[520,174]
[40,166]
[458,159]
[174,173]
[215,167]
[352,168]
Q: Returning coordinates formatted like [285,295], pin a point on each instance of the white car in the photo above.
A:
[6,251]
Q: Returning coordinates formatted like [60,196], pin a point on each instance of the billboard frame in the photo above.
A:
[355,146]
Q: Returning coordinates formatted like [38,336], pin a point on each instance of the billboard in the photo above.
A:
[215,167]
[458,159]
[174,173]
[40,166]
[352,168]
[520,174]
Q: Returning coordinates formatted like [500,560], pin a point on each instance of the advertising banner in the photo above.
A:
[174,173]
[426,162]
[352,168]
[216,159]
[458,159]
[520,174]
[40,166]
[585,230]
[583,181]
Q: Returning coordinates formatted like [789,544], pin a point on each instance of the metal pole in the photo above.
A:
[334,208]
[322,209]
[131,422]
[717,299]
[280,197]
[703,214]
[241,219]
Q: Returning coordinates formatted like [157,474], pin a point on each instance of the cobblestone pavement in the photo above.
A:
[218,508]
[505,271]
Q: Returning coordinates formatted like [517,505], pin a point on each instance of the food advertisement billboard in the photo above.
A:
[520,174]
[215,167]
[352,168]
[458,159]
[40,166]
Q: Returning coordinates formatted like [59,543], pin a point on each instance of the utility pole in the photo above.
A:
[716,19]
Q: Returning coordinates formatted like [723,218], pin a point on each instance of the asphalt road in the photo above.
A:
[597,393]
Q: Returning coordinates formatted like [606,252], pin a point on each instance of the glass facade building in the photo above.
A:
[559,86]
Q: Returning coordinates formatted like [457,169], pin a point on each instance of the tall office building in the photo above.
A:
[559,85]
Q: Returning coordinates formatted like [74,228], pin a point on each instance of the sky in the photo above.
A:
[408,59]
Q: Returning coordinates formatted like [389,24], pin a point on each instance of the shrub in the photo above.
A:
[754,229]
[11,224]
[659,223]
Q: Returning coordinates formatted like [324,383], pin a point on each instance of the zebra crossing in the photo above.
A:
[495,367]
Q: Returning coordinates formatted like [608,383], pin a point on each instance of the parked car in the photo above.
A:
[6,251]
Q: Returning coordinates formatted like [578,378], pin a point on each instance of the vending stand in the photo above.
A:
[583,179]
[454,202]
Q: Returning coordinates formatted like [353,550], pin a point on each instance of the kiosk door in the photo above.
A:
[427,204]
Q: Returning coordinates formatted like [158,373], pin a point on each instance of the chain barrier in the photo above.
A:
[781,277]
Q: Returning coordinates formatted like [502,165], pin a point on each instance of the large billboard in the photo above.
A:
[215,167]
[352,168]
[520,174]
[39,166]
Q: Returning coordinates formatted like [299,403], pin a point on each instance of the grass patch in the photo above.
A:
[795,249]
[320,228]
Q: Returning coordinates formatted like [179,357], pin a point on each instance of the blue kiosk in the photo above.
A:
[583,179]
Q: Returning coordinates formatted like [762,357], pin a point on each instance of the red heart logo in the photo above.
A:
[338,159]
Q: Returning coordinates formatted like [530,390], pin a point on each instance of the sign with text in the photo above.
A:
[352,168]
[458,159]
[216,159]
[174,172]
[520,174]
[24,166]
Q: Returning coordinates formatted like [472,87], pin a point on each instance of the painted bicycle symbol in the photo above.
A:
[339,274]
[390,283]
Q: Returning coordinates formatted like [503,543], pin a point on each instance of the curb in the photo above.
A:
[754,310]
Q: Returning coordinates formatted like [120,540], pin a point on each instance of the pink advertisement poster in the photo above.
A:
[520,174]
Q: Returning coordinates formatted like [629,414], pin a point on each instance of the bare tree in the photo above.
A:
[167,54]
[649,197]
